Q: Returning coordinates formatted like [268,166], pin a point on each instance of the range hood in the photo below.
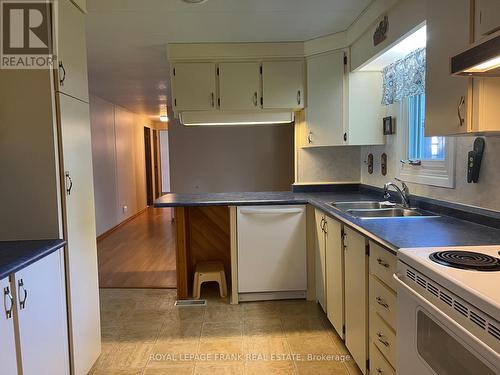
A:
[224,118]
[480,59]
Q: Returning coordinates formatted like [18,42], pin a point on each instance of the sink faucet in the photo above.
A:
[404,192]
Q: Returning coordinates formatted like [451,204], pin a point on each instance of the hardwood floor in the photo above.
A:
[140,253]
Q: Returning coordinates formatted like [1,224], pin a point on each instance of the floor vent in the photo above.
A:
[190,302]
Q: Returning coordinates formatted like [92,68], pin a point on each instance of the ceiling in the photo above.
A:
[126,39]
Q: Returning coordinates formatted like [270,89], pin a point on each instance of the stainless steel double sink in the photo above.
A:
[379,210]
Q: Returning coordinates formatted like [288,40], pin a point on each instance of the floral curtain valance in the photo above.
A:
[404,78]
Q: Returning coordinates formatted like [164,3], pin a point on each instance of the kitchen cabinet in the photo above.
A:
[383,309]
[239,85]
[320,259]
[283,84]
[447,98]
[72,53]
[325,92]
[342,108]
[80,229]
[487,17]
[334,260]
[42,320]
[194,86]
[356,297]
[8,357]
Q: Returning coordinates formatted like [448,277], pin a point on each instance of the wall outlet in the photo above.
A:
[125,209]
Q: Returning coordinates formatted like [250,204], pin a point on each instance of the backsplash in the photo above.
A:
[484,194]
[328,164]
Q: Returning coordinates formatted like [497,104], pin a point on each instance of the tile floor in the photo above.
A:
[144,333]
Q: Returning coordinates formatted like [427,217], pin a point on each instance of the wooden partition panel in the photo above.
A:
[203,234]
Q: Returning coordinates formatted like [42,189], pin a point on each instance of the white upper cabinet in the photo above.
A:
[363,125]
[342,108]
[447,100]
[239,85]
[487,17]
[194,86]
[72,52]
[325,91]
[283,84]
[7,343]
[42,317]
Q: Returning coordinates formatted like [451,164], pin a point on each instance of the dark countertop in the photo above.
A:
[16,255]
[393,233]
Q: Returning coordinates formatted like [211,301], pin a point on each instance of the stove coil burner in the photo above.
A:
[466,260]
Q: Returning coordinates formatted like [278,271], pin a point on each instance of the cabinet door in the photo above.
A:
[356,297]
[72,52]
[41,302]
[81,257]
[364,123]
[446,99]
[335,274]
[194,86]
[320,261]
[283,84]
[325,85]
[487,16]
[239,86]
[7,343]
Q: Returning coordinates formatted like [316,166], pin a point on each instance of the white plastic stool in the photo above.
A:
[209,271]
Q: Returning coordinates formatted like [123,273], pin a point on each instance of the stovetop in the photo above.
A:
[480,288]
[466,260]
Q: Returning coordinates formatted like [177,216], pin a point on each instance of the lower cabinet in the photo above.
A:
[320,259]
[8,357]
[383,311]
[39,317]
[334,274]
[356,297]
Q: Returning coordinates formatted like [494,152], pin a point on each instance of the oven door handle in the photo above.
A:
[491,353]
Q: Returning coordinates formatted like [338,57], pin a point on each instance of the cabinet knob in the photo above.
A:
[8,300]
[22,292]
[255,99]
[382,263]
[69,183]
[62,76]
[380,338]
[309,138]
[299,98]
[461,103]
[345,137]
[212,96]
[381,302]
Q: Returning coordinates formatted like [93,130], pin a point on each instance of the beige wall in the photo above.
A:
[118,158]
[223,159]
[483,194]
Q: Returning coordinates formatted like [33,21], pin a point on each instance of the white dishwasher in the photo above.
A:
[271,252]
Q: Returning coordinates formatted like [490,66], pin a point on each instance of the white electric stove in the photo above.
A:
[449,311]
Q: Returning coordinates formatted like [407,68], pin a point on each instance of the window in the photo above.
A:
[426,160]
[419,146]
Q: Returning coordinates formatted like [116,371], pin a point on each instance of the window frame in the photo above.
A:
[439,173]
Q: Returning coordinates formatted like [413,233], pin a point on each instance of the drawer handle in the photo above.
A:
[381,302]
[380,338]
[382,263]
[379,371]
[7,296]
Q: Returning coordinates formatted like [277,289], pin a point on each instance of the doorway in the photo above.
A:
[149,171]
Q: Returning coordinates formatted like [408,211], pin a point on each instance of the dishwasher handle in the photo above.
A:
[270,211]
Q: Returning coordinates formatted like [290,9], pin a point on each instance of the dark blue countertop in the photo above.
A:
[16,255]
[393,233]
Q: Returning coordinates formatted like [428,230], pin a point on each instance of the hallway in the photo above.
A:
[140,253]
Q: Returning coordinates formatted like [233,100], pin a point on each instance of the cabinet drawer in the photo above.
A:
[378,364]
[383,264]
[383,301]
[383,337]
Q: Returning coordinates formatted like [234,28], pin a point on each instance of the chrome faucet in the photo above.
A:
[404,192]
